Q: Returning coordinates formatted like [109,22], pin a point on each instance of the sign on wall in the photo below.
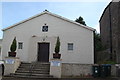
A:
[9,61]
[55,63]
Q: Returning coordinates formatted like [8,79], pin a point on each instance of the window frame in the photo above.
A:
[45,28]
[20,45]
[70,46]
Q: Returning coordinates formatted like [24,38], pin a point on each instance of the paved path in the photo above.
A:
[12,78]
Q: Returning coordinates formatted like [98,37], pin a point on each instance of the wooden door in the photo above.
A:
[43,52]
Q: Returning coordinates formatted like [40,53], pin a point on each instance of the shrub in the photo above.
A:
[57,47]
[13,45]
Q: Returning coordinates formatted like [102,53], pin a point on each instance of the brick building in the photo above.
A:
[110,30]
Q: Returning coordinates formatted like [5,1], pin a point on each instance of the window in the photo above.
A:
[45,28]
[70,46]
[20,45]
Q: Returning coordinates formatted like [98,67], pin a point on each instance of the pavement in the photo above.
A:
[15,78]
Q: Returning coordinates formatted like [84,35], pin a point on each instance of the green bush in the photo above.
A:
[57,47]
[13,45]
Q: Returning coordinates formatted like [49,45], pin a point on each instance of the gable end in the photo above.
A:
[55,15]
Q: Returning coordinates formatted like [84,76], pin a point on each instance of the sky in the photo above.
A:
[14,12]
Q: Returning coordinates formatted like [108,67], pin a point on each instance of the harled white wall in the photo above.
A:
[68,32]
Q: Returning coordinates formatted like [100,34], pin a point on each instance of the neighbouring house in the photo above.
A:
[110,30]
[0,48]
[36,38]
[0,44]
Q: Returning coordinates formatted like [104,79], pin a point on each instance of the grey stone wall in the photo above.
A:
[104,28]
[110,29]
[73,69]
[114,8]
[118,48]
[81,70]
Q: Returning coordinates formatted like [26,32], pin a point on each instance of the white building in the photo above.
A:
[36,37]
[0,48]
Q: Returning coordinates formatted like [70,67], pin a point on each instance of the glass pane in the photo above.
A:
[20,45]
[70,46]
[45,28]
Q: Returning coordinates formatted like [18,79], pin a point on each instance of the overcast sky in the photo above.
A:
[14,12]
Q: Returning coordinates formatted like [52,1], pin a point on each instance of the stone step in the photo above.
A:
[29,74]
[38,72]
[26,74]
[42,63]
[42,75]
[22,76]
[39,69]
[34,71]
[28,78]
[23,68]
[35,64]
[25,64]
[27,71]
[22,71]
[42,67]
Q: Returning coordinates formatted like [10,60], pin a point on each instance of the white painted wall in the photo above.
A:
[68,32]
[0,49]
